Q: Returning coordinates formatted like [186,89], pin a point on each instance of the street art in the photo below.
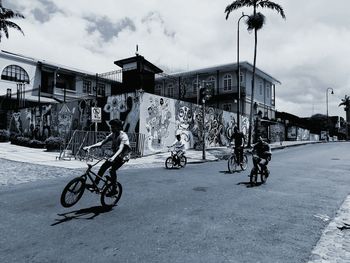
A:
[125,107]
[184,122]
[303,134]
[16,123]
[213,127]
[65,117]
[157,122]
[277,132]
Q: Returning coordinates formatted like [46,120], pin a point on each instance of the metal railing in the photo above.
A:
[80,139]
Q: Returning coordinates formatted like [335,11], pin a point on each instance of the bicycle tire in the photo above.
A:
[73,191]
[109,201]
[183,161]
[169,164]
[232,164]
[244,164]
[253,177]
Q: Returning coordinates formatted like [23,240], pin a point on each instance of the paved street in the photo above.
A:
[197,214]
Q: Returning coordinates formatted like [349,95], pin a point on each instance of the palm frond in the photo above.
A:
[15,26]
[237,4]
[8,14]
[272,5]
[345,102]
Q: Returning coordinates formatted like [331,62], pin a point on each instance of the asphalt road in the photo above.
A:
[197,214]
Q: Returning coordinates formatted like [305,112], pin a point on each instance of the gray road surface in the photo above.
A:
[197,214]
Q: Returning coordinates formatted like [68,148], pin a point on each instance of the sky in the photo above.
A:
[308,52]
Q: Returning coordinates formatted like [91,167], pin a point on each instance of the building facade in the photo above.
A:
[223,81]
[27,81]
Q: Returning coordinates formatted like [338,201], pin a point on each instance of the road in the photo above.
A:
[197,214]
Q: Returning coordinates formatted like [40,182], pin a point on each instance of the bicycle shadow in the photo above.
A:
[228,172]
[249,185]
[82,214]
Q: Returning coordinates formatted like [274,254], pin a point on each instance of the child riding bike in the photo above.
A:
[121,151]
[179,148]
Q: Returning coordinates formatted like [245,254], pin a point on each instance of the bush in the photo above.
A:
[36,144]
[54,143]
[19,140]
[4,135]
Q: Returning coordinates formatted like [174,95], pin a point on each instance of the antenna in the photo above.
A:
[137,50]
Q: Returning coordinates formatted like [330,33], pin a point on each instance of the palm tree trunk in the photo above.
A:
[253,85]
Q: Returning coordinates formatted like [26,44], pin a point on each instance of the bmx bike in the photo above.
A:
[74,190]
[175,161]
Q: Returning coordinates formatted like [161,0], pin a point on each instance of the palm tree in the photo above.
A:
[5,23]
[256,22]
[346,103]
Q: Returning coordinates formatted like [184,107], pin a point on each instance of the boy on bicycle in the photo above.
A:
[121,151]
[239,139]
[179,148]
[263,151]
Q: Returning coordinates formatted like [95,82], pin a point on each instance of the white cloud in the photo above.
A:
[307,52]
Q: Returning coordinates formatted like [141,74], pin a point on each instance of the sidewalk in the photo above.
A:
[42,157]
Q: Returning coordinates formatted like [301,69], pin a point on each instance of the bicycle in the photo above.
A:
[74,190]
[258,169]
[232,162]
[172,161]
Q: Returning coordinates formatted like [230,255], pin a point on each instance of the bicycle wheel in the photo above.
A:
[253,177]
[183,161]
[169,163]
[244,164]
[73,192]
[232,164]
[111,199]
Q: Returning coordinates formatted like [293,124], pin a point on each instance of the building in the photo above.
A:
[223,81]
[27,82]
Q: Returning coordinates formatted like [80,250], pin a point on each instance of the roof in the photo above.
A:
[228,67]
[138,58]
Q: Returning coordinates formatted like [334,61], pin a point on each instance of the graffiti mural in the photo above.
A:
[157,122]
[277,132]
[184,122]
[125,107]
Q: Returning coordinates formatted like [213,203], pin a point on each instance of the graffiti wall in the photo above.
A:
[277,132]
[162,118]
[303,134]
[157,122]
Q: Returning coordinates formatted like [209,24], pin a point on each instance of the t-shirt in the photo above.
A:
[117,140]
[261,149]
[239,138]
[178,145]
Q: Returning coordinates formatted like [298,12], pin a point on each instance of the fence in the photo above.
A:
[80,139]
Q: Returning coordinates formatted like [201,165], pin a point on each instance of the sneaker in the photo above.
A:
[113,192]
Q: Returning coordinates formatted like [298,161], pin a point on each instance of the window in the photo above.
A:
[241,77]
[15,73]
[87,86]
[267,90]
[158,89]
[195,86]
[260,87]
[170,90]
[211,81]
[101,89]
[227,82]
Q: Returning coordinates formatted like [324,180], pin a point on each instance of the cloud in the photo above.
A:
[107,28]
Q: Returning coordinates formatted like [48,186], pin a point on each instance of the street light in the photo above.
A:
[327,107]
[239,74]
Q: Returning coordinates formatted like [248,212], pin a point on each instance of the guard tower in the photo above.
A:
[138,73]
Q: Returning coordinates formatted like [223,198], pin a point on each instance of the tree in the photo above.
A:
[346,103]
[254,22]
[5,23]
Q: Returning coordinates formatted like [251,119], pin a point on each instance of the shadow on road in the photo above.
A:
[248,185]
[86,213]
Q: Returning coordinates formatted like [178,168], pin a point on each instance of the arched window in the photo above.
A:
[15,73]
[211,80]
[227,82]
